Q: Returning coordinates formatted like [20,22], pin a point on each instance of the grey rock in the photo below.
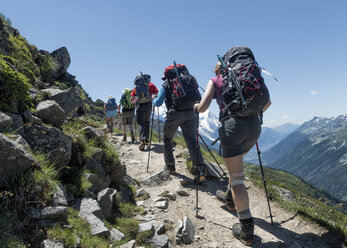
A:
[164,193]
[140,203]
[130,244]
[116,235]
[61,60]
[182,192]
[37,120]
[147,217]
[145,227]
[285,194]
[52,213]
[141,192]
[20,141]
[68,100]
[185,231]
[160,199]
[95,166]
[106,198]
[27,116]
[98,183]
[159,227]
[50,112]
[91,132]
[90,194]
[98,154]
[159,241]
[50,244]
[5,121]
[17,121]
[14,159]
[162,204]
[89,205]
[157,178]
[97,226]
[60,196]
[50,141]
[33,92]
[171,196]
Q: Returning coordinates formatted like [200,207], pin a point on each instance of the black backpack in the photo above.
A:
[184,89]
[244,90]
[142,88]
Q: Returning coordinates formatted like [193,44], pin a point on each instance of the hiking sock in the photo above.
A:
[244,214]
[244,231]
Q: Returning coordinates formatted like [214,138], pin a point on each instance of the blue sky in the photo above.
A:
[303,43]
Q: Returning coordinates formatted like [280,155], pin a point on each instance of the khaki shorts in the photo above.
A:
[127,118]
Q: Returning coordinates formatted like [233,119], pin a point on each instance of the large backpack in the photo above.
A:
[111,104]
[142,88]
[242,74]
[184,89]
[127,104]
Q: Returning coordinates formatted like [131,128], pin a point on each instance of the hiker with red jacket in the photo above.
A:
[142,95]
[240,127]
[180,94]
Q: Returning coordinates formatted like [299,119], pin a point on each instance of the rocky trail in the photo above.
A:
[213,225]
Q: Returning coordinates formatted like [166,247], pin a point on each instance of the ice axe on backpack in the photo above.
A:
[179,79]
[232,80]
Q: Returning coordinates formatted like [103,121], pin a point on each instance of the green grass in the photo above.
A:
[79,229]
[306,204]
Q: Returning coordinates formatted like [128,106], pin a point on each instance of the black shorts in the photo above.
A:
[239,134]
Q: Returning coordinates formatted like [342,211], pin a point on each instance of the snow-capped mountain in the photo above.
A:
[208,124]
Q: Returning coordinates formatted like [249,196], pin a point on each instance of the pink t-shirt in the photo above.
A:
[218,86]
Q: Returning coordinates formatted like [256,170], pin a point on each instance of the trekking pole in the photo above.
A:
[135,130]
[158,125]
[197,167]
[224,174]
[150,139]
[262,174]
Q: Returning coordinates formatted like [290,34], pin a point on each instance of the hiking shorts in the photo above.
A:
[127,118]
[111,113]
[239,134]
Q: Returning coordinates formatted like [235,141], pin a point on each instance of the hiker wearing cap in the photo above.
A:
[180,92]
[237,136]
[110,109]
[142,95]
[128,109]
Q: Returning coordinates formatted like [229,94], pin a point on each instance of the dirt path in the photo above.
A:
[213,229]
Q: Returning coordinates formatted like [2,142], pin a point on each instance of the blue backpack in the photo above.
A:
[111,104]
[142,88]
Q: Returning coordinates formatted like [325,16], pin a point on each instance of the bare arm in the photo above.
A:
[206,98]
[267,105]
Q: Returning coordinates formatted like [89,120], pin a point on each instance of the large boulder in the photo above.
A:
[97,183]
[14,159]
[5,121]
[106,199]
[68,100]
[62,60]
[50,141]
[97,227]
[91,206]
[50,112]
[17,121]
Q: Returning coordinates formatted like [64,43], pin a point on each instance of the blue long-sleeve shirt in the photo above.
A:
[158,101]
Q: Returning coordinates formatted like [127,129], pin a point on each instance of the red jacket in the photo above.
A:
[152,90]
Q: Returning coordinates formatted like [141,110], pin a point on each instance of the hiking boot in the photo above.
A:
[227,198]
[201,178]
[244,231]
[142,145]
[124,138]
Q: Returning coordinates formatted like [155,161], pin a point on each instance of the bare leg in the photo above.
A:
[239,192]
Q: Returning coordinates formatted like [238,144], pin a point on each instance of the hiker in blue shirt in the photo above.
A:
[180,113]
[110,109]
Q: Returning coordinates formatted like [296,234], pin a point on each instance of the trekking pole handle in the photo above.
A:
[221,61]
